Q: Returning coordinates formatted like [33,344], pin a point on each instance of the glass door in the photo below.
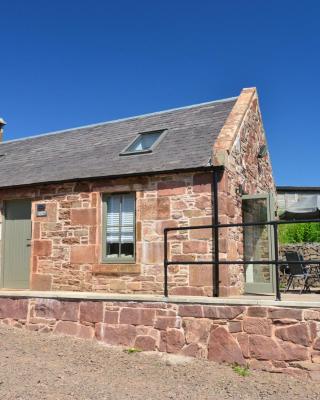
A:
[258,243]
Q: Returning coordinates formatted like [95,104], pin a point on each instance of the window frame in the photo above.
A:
[162,132]
[104,257]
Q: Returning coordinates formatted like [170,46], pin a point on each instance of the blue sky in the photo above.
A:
[71,63]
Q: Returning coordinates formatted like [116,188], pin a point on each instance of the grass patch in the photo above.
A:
[240,370]
[132,350]
[299,233]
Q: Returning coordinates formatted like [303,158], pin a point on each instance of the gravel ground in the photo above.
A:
[38,366]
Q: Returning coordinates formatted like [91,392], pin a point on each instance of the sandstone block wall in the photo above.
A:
[310,251]
[66,244]
[270,338]
[237,149]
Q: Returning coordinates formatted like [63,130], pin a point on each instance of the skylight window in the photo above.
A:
[144,143]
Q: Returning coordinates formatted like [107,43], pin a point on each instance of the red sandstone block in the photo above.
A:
[83,216]
[222,312]
[191,311]
[316,345]
[55,309]
[144,342]
[197,221]
[261,365]
[91,311]
[194,246]
[160,225]
[174,340]
[243,340]
[200,275]
[36,230]
[258,326]
[66,328]
[83,254]
[42,247]
[294,352]
[92,234]
[264,348]
[192,350]
[16,309]
[298,334]
[166,322]
[152,252]
[257,311]
[155,208]
[41,282]
[137,316]
[313,329]
[203,203]
[111,317]
[171,188]
[311,315]
[74,329]
[85,332]
[200,234]
[118,335]
[163,341]
[235,326]
[222,347]
[278,313]
[196,329]
[202,183]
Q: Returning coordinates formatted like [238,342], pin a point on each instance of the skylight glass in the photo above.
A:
[144,143]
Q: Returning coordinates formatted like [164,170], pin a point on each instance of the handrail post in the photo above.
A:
[276,258]
[165,263]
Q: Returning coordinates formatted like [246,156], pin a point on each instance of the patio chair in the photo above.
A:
[298,270]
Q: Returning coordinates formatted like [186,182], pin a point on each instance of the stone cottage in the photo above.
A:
[85,209]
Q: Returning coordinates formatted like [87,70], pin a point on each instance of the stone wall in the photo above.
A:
[270,338]
[66,244]
[237,149]
[310,251]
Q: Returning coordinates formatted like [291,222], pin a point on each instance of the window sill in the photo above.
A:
[116,269]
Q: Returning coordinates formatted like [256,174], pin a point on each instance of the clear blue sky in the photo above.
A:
[67,63]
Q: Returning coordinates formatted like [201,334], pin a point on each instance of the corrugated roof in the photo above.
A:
[93,151]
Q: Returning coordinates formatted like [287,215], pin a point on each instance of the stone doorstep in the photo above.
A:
[157,298]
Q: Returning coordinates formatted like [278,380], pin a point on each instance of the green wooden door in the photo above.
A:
[16,244]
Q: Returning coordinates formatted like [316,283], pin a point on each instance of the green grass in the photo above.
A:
[240,370]
[299,233]
[132,350]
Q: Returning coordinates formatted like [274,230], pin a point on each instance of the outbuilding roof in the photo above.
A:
[94,151]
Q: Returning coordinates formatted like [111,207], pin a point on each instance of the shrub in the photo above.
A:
[299,233]
[240,370]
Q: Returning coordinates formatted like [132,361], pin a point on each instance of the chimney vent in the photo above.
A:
[2,124]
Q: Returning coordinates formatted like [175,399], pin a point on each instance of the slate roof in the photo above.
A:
[93,151]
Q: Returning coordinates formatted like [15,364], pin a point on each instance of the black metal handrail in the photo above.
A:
[216,262]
